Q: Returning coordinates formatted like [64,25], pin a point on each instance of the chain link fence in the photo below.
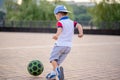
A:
[30,24]
[52,24]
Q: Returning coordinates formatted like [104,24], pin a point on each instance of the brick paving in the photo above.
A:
[94,57]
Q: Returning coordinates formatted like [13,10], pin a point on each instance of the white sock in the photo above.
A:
[53,72]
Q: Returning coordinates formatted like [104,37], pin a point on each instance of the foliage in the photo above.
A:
[10,5]
[106,14]
[31,10]
[81,13]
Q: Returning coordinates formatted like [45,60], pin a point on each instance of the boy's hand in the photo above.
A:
[80,35]
[55,37]
[80,29]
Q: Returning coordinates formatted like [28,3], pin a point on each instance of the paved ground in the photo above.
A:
[94,57]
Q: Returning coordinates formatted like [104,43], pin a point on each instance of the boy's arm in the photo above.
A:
[59,30]
[80,30]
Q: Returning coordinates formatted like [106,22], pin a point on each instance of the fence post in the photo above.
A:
[91,25]
[12,24]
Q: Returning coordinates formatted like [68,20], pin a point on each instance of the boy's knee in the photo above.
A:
[56,60]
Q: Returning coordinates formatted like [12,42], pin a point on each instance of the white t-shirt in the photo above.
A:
[67,25]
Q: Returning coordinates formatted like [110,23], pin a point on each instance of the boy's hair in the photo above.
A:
[63,13]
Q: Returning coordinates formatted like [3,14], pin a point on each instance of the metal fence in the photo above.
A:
[30,24]
[52,24]
[109,25]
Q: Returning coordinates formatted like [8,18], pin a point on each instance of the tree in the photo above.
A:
[11,8]
[106,15]
[81,13]
[31,10]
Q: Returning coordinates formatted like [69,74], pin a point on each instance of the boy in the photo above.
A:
[63,44]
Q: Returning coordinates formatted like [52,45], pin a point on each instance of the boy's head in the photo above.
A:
[60,11]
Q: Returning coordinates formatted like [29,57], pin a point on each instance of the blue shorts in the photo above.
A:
[59,53]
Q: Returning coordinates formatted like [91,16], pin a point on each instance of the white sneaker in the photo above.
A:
[58,73]
[51,75]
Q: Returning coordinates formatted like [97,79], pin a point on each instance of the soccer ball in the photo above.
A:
[35,67]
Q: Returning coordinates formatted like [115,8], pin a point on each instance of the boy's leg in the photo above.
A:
[54,64]
[54,58]
[61,59]
[57,56]
[53,74]
[63,55]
